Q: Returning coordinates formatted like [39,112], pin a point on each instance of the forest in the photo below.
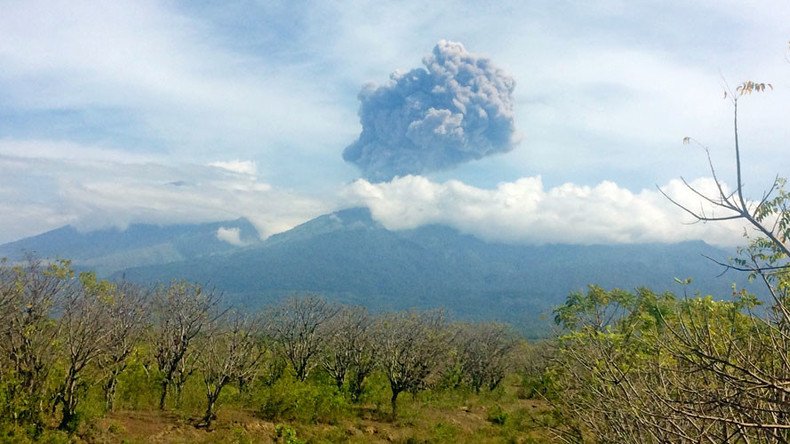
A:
[91,360]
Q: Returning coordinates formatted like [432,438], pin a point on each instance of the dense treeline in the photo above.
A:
[65,336]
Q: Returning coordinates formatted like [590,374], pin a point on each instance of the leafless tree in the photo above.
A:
[85,321]
[485,353]
[769,217]
[30,332]
[348,350]
[129,313]
[298,328]
[410,346]
[230,351]
[180,312]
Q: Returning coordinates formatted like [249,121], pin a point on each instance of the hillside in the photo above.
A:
[350,257]
[110,250]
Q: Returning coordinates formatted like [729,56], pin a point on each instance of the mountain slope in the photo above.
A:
[348,256]
[109,250]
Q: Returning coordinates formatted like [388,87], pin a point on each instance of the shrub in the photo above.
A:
[304,402]
[497,416]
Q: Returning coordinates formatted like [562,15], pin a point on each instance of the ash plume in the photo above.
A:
[458,108]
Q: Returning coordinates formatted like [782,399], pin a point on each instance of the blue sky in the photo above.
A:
[119,112]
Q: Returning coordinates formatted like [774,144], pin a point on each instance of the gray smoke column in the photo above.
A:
[458,108]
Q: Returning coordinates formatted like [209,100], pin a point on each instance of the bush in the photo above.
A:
[497,416]
[286,435]
[304,402]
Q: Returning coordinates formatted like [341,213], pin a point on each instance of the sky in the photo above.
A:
[524,122]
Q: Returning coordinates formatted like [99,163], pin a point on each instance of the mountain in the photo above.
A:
[350,257]
[110,250]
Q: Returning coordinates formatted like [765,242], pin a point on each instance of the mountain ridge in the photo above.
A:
[349,257]
[109,250]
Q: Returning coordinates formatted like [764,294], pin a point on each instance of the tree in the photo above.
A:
[85,332]
[484,352]
[649,376]
[298,328]
[758,365]
[410,347]
[129,313]
[348,349]
[32,291]
[181,311]
[655,368]
[230,351]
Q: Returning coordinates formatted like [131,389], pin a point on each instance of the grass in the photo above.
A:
[315,412]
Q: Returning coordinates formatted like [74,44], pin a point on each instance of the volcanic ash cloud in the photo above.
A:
[456,109]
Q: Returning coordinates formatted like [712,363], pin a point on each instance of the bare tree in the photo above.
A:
[129,314]
[298,328]
[410,347]
[30,333]
[180,311]
[484,351]
[363,359]
[230,351]
[85,321]
[348,348]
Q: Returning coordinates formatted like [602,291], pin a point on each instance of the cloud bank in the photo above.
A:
[45,186]
[525,211]
[458,108]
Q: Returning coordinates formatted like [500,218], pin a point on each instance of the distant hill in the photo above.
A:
[110,250]
[348,256]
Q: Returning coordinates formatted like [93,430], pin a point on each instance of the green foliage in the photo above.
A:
[537,386]
[286,435]
[497,415]
[596,309]
[443,432]
[654,363]
[305,402]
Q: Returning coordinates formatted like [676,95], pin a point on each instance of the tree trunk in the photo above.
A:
[394,403]
[163,397]
[356,386]
[209,416]
[109,393]
[69,400]
[301,372]
[178,387]
[211,397]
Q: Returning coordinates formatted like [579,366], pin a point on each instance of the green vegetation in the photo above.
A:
[92,360]
[647,367]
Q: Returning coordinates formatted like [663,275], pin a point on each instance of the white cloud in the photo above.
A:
[237,166]
[230,235]
[71,151]
[44,192]
[174,82]
[525,211]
